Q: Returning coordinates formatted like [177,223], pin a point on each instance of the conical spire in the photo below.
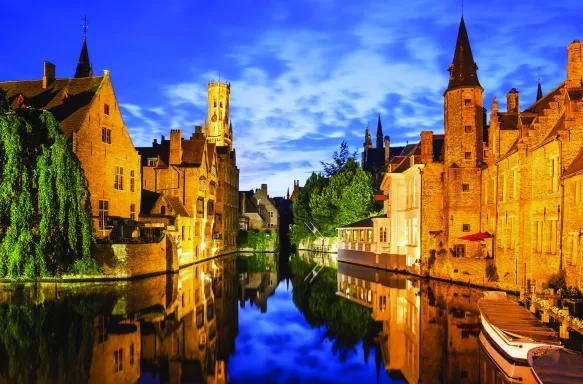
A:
[539,92]
[463,71]
[84,66]
[380,136]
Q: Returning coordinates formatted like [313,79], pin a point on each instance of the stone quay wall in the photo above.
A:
[321,244]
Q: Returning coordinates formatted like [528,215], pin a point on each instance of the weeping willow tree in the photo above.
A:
[45,212]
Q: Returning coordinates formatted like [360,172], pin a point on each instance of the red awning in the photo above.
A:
[380,197]
[476,236]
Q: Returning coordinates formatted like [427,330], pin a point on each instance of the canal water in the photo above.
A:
[246,319]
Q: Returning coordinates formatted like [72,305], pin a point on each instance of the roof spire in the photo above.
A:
[463,70]
[380,136]
[84,68]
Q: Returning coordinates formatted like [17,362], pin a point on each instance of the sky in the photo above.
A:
[305,74]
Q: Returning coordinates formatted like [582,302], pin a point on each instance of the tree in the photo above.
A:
[45,212]
[301,208]
[338,160]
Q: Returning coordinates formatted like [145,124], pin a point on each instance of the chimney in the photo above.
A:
[49,74]
[197,135]
[264,188]
[494,105]
[427,147]
[512,103]
[575,65]
[155,143]
[162,139]
[243,203]
[175,146]
[387,149]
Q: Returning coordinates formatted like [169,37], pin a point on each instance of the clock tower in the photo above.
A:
[219,97]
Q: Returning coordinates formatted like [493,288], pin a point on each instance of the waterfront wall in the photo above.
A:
[321,244]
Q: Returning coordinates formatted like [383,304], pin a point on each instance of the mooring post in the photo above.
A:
[564,329]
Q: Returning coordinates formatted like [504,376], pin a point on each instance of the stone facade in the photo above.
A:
[517,180]
[258,210]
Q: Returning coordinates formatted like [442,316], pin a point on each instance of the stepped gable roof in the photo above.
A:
[508,121]
[540,105]
[555,131]
[148,201]
[576,166]
[463,70]
[177,205]
[69,111]
[365,223]
[192,152]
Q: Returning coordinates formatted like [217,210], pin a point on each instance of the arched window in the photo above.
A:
[221,104]
[163,210]
[215,104]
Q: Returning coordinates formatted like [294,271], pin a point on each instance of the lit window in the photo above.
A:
[106,109]
[106,135]
[163,210]
[152,161]
[465,187]
[202,184]
[465,227]
[468,155]
[132,180]
[118,183]
[103,213]
[118,360]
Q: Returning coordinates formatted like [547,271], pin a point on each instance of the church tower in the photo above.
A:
[463,147]
[84,68]
[219,129]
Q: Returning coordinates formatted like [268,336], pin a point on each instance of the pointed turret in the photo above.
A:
[539,92]
[84,68]
[463,70]
[380,136]
[367,139]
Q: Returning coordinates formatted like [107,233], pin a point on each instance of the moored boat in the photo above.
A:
[512,329]
[513,372]
[556,365]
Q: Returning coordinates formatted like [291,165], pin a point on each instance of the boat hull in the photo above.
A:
[515,372]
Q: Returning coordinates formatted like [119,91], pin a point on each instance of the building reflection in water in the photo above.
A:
[167,329]
[258,279]
[429,329]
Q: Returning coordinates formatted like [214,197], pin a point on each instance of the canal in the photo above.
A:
[246,319]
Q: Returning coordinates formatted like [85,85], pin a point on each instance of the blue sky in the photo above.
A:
[304,74]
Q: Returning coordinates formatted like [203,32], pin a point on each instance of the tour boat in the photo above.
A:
[514,372]
[512,329]
[556,365]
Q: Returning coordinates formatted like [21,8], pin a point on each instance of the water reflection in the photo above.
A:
[249,318]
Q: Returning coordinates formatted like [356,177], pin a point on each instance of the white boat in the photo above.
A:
[512,328]
[513,372]
[551,365]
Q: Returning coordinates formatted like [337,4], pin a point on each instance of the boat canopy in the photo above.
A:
[515,321]
[556,365]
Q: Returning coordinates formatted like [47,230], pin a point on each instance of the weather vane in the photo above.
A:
[539,74]
[84,25]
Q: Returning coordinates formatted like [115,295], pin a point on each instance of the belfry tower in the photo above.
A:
[219,97]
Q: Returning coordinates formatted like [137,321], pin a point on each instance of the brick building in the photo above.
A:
[518,179]
[190,187]
[88,112]
[258,210]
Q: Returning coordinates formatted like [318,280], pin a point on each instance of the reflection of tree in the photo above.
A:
[260,262]
[347,323]
[46,343]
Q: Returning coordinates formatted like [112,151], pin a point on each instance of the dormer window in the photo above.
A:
[106,109]
[152,161]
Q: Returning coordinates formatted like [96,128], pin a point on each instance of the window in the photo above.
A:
[182,232]
[133,212]
[468,102]
[106,109]
[152,161]
[468,155]
[270,214]
[504,187]
[103,211]
[215,104]
[485,153]
[383,234]
[460,250]
[209,310]
[465,187]
[515,183]
[163,210]
[468,129]
[553,237]
[106,135]
[210,208]
[202,184]
[221,104]
[383,303]
[200,206]
[102,329]
[132,354]
[539,236]
[465,227]
[132,180]
[369,235]
[118,360]
[118,183]
[212,188]
[511,231]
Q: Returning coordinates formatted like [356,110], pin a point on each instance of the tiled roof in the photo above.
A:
[558,126]
[177,206]
[464,71]
[69,111]
[407,149]
[508,121]
[576,165]
[365,223]
[148,201]
[192,152]
[543,103]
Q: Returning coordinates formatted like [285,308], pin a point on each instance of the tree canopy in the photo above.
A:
[339,159]
[45,212]
[329,202]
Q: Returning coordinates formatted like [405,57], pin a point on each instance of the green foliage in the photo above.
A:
[327,203]
[557,280]
[346,322]
[339,160]
[45,213]
[492,272]
[259,262]
[260,241]
[571,293]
